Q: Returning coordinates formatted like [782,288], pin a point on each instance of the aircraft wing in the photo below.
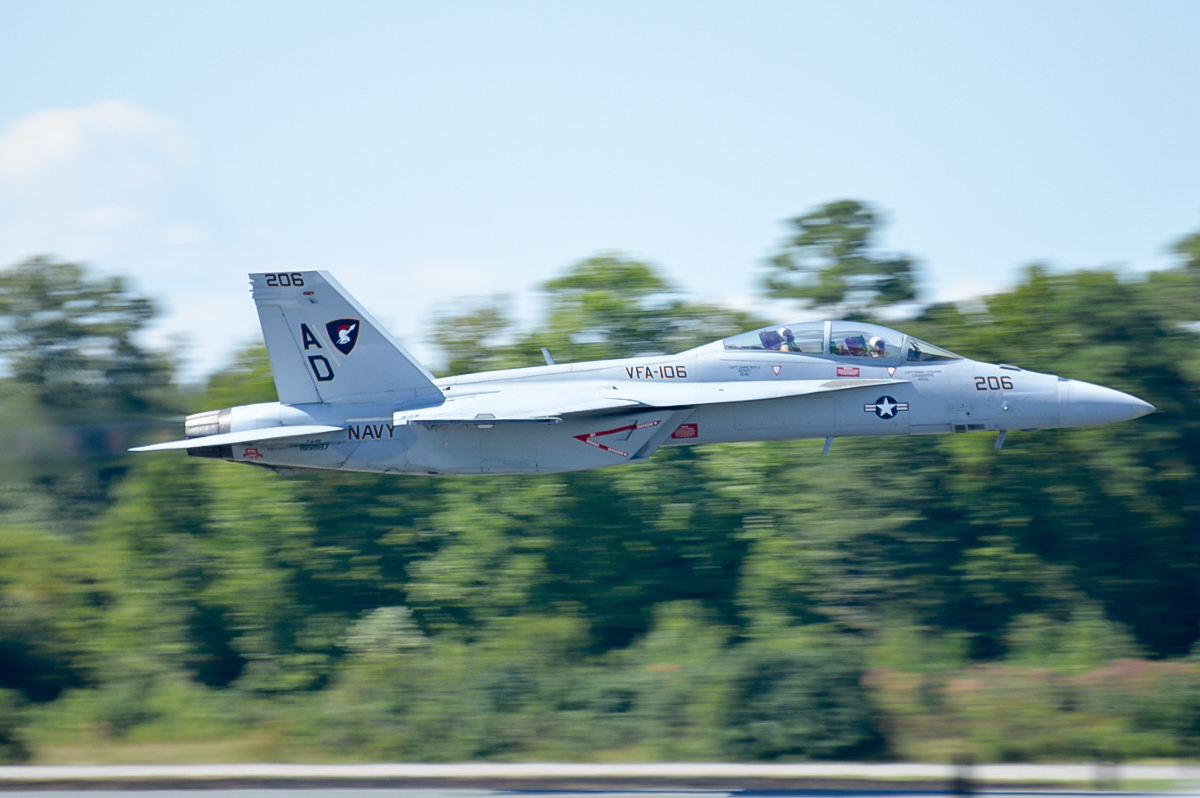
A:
[668,394]
[245,436]
[547,403]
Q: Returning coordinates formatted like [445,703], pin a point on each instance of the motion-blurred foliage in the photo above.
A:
[921,597]
[828,261]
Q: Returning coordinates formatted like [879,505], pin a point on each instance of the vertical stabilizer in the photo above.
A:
[324,347]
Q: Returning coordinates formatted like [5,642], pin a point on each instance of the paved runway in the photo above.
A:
[383,792]
[504,774]
[602,780]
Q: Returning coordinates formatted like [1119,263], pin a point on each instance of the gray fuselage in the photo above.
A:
[862,396]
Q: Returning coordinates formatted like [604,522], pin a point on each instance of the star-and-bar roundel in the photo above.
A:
[886,407]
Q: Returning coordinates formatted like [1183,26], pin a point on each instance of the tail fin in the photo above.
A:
[324,347]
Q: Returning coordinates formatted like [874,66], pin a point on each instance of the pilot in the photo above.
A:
[789,341]
[877,346]
[770,339]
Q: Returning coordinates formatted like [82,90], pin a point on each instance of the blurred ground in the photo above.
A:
[609,780]
[403,793]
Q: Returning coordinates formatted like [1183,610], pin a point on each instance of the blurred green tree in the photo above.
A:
[1188,250]
[830,261]
[1115,517]
[247,380]
[716,602]
[606,306]
[73,338]
[81,384]
[12,748]
[481,339]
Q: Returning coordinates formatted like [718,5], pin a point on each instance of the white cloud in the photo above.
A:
[116,186]
[86,182]
[44,143]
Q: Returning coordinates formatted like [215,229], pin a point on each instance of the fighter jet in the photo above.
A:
[352,398]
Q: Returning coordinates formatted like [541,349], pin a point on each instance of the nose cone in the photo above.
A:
[1082,404]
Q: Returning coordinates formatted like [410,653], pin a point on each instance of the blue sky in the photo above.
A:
[427,153]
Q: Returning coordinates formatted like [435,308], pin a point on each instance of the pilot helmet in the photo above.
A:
[877,344]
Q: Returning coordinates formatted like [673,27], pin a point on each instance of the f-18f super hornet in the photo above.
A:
[352,398]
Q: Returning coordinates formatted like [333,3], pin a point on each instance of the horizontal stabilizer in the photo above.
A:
[245,436]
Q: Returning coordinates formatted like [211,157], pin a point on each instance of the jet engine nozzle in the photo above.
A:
[1082,404]
[210,422]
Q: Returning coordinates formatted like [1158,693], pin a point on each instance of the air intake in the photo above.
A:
[215,452]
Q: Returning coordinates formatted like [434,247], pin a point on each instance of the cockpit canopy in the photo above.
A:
[841,339]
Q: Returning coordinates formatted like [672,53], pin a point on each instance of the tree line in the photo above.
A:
[921,597]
